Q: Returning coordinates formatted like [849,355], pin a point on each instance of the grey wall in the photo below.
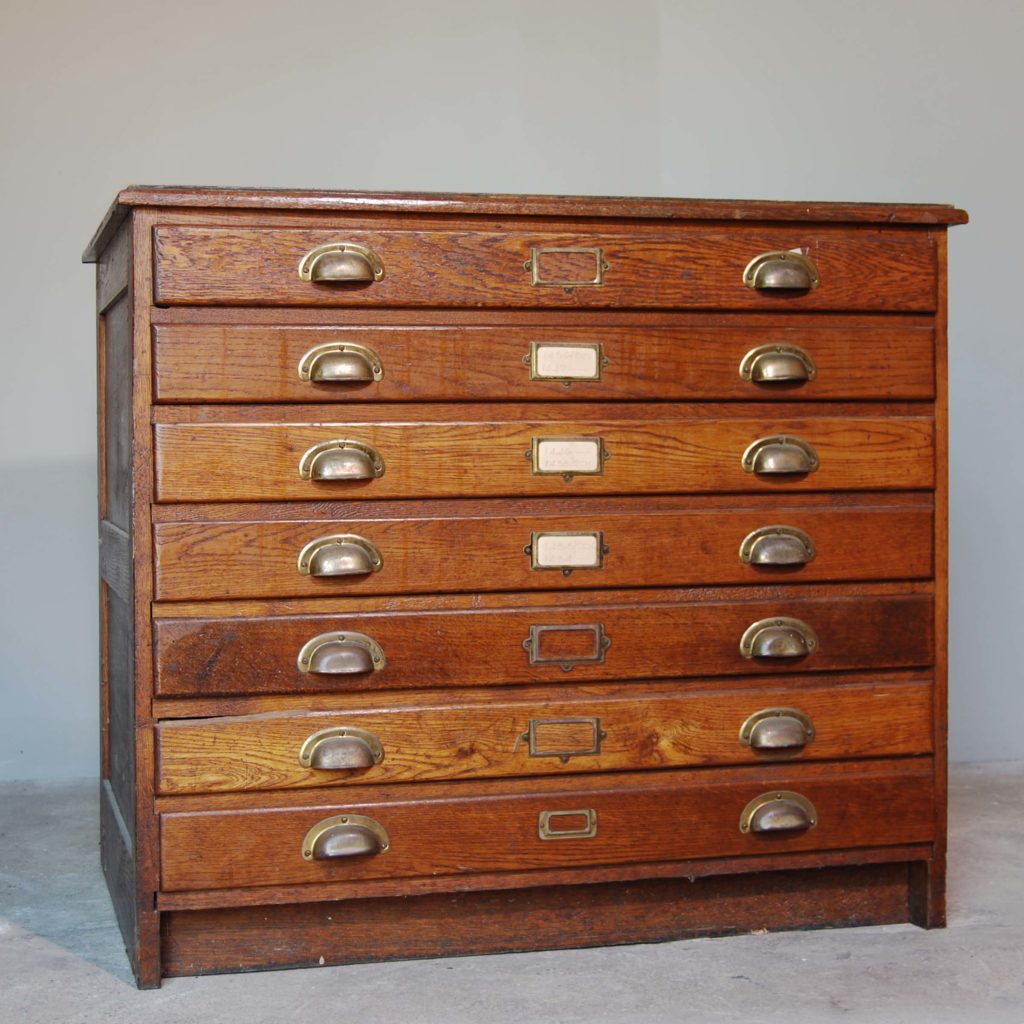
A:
[880,100]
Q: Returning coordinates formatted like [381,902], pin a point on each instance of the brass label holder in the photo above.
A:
[548,821]
[534,742]
[567,456]
[565,361]
[533,265]
[566,550]
[600,642]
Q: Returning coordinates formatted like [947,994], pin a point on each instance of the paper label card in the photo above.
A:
[564,362]
[567,455]
[566,550]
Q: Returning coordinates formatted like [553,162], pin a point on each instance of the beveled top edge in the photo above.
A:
[514,206]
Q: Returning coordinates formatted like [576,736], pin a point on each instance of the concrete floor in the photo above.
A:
[61,958]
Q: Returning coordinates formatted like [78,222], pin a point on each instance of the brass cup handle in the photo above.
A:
[341,654]
[780,455]
[345,835]
[781,811]
[340,363]
[340,554]
[341,263]
[341,460]
[777,730]
[777,545]
[341,749]
[781,271]
[777,364]
[778,638]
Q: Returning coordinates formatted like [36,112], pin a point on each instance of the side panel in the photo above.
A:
[128,824]
[928,879]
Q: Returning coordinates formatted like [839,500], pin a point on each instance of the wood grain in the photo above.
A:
[649,816]
[271,201]
[891,268]
[665,548]
[115,559]
[554,917]
[928,882]
[371,702]
[147,879]
[202,319]
[909,855]
[426,649]
[117,859]
[255,363]
[116,436]
[477,456]
[113,271]
[467,739]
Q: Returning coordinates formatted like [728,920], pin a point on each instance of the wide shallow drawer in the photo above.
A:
[545,732]
[606,543]
[214,362]
[443,451]
[614,635]
[682,266]
[517,825]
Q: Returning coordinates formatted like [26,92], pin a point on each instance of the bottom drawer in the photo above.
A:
[535,824]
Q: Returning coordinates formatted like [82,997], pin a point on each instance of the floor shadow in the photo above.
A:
[51,884]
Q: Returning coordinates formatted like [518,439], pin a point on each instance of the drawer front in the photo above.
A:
[691,454]
[541,644]
[681,266]
[253,363]
[488,827]
[705,545]
[544,734]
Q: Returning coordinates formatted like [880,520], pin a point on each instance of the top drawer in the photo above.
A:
[803,266]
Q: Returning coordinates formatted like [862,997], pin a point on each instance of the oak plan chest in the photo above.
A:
[490,573]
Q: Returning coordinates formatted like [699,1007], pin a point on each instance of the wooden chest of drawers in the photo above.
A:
[495,573]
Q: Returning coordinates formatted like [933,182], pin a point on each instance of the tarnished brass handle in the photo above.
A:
[341,363]
[345,835]
[341,749]
[781,271]
[778,638]
[341,263]
[780,455]
[781,811]
[341,460]
[341,654]
[341,554]
[777,364]
[777,545]
[777,730]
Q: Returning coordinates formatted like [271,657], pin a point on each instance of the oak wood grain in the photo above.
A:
[908,855]
[372,702]
[553,917]
[426,649]
[485,739]
[255,363]
[269,201]
[890,268]
[928,882]
[481,455]
[116,437]
[202,619]
[641,817]
[766,591]
[452,552]
[147,854]
[115,559]
[113,270]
